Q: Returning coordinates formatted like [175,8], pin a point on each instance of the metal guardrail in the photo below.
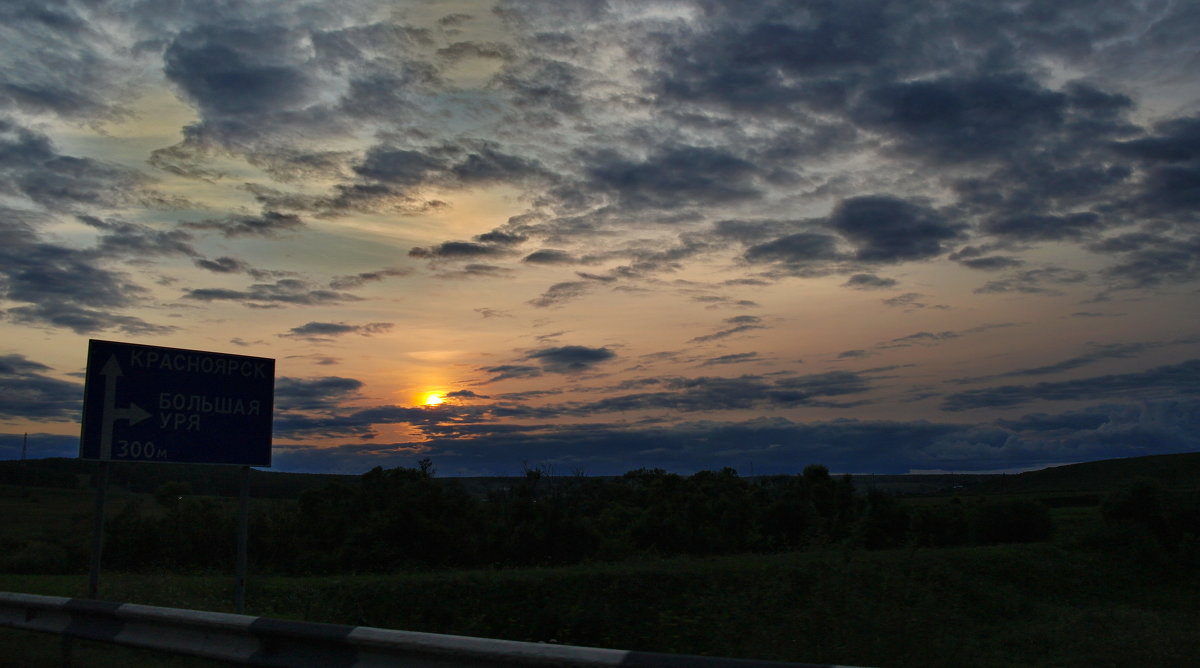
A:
[262,641]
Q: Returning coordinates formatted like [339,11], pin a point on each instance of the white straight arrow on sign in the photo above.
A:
[134,414]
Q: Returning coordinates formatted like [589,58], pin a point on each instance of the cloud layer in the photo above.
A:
[653,233]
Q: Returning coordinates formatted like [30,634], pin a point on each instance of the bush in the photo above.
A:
[1012,521]
[1143,503]
[939,526]
[1158,526]
[884,522]
[38,557]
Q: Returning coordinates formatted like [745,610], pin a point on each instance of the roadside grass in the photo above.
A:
[1016,605]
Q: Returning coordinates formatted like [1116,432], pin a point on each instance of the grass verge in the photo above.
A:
[1029,605]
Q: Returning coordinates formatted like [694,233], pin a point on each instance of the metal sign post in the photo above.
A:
[154,404]
[98,531]
[243,531]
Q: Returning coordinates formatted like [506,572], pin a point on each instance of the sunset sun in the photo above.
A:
[433,399]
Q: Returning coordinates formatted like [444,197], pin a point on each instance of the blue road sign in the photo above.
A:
[153,404]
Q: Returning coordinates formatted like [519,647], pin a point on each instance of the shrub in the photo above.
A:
[884,522]
[939,526]
[39,557]
[1012,521]
[1143,503]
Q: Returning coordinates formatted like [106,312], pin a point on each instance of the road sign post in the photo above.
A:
[155,404]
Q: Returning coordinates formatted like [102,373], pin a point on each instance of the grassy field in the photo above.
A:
[1075,601]
[1027,605]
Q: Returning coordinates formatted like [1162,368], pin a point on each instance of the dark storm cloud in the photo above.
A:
[262,78]
[288,291]
[361,279]
[1149,259]
[458,250]
[31,166]
[991,262]
[13,365]
[1170,162]
[133,239]
[1034,281]
[718,301]
[869,282]
[545,90]
[1129,242]
[936,101]
[769,57]
[459,51]
[325,393]
[647,257]
[732,358]
[1116,430]
[1177,141]
[673,175]
[736,325]
[346,198]
[29,394]
[283,163]
[398,166]
[1170,381]
[270,224]
[1045,227]
[477,163]
[765,445]
[447,420]
[500,238]
[64,287]
[65,62]
[934,338]
[507,371]
[223,265]
[1152,267]
[954,119]
[910,301]
[237,71]
[465,164]
[890,229]
[452,21]
[750,232]
[570,359]
[327,331]
[83,320]
[379,93]
[549,256]
[796,249]
[1099,353]
[475,270]
[708,393]
[560,293]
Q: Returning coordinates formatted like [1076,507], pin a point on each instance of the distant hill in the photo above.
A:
[1179,472]
[207,480]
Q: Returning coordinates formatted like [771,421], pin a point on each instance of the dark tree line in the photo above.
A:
[398,519]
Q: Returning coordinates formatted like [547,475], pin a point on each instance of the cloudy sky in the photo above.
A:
[881,236]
